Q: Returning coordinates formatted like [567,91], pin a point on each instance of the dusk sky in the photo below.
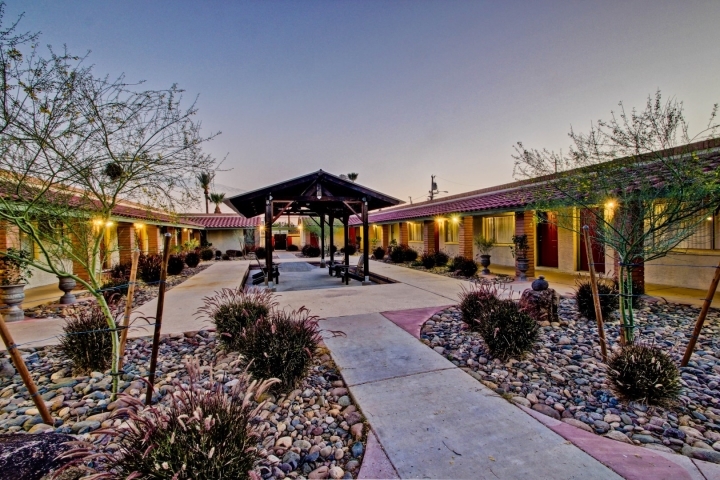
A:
[395,91]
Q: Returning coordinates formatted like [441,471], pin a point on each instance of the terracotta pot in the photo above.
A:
[12,296]
[485,262]
[67,285]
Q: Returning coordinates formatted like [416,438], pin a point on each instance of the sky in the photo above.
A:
[394,90]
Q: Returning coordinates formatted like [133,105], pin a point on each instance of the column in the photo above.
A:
[153,236]
[525,225]
[404,234]
[429,229]
[385,236]
[466,236]
[126,241]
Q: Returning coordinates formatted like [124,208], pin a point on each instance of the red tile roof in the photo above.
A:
[222,220]
[150,215]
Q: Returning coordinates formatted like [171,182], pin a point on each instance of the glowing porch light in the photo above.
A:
[138,225]
[610,204]
[109,223]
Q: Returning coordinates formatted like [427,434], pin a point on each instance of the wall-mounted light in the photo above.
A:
[98,223]
[138,225]
[109,223]
[319,191]
[709,219]
[610,204]
[455,219]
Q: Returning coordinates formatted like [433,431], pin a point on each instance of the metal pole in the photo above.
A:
[701,318]
[128,305]
[158,320]
[23,371]
[596,294]
[366,241]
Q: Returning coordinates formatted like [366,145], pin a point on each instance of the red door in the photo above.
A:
[547,239]
[590,218]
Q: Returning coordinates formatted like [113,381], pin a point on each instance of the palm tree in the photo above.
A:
[217,199]
[204,180]
[352,176]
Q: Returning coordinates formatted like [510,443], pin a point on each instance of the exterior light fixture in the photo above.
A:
[319,191]
[98,223]
[138,225]
[709,219]
[109,223]
[455,219]
[610,204]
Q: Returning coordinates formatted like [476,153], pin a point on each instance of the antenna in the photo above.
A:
[434,188]
[410,199]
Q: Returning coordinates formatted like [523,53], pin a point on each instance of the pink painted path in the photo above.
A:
[412,320]
[376,463]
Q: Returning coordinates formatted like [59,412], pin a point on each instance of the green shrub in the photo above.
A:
[204,432]
[609,299]
[207,254]
[476,303]
[89,352]
[149,267]
[379,253]
[441,259]
[231,311]
[310,251]
[469,268]
[410,254]
[456,263]
[644,373]
[350,249]
[260,253]
[114,288]
[225,256]
[175,265]
[292,248]
[281,346]
[427,260]
[397,254]
[507,331]
[121,271]
[192,259]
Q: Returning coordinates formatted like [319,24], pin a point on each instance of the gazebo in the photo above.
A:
[320,195]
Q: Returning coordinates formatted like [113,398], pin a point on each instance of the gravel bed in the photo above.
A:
[564,376]
[315,429]
[143,294]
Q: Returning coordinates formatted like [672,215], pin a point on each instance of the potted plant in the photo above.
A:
[484,246]
[519,251]
[15,272]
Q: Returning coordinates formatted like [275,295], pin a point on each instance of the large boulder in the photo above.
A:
[31,456]
[541,305]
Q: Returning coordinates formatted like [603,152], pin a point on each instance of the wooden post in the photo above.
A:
[366,242]
[23,371]
[158,320]
[596,295]
[322,240]
[331,225]
[268,242]
[128,305]
[701,318]
[347,239]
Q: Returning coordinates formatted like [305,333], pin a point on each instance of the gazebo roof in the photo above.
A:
[312,194]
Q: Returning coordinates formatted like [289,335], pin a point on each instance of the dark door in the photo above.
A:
[589,217]
[547,239]
[280,241]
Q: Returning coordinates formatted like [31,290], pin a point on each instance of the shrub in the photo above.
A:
[397,254]
[204,432]
[410,254]
[225,256]
[115,288]
[281,346]
[584,298]
[234,310]
[427,260]
[456,263]
[207,254]
[476,303]
[292,248]
[637,291]
[469,268]
[192,259]
[350,249]
[260,252]
[441,259]
[175,265]
[379,253]
[89,352]
[121,271]
[507,331]
[333,249]
[644,373]
[311,251]
[149,267]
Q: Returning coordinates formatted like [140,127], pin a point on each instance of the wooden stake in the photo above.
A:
[158,320]
[596,294]
[128,306]
[23,371]
[701,318]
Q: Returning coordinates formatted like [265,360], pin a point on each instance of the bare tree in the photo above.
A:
[637,177]
[74,146]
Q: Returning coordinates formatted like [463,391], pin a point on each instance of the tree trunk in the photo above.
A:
[627,320]
[207,201]
[217,209]
[115,342]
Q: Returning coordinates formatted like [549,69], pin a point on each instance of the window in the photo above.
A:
[415,231]
[499,229]
[451,231]
[704,227]
[705,235]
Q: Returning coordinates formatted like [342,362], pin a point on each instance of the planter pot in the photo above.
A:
[67,285]
[12,296]
[485,262]
[522,265]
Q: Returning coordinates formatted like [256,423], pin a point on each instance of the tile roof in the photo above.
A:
[136,213]
[222,220]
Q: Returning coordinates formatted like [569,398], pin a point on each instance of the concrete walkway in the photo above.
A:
[435,421]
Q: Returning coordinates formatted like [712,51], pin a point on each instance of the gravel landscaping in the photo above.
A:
[564,376]
[143,294]
[314,431]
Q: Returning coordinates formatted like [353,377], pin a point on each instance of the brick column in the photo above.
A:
[127,241]
[185,235]
[404,234]
[153,233]
[429,227]
[525,225]
[465,236]
[9,236]
[386,236]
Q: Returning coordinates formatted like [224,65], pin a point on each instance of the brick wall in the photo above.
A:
[153,235]
[525,225]
[386,236]
[126,241]
[404,234]
[465,236]
[429,227]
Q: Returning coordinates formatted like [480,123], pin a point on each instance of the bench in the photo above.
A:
[259,277]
